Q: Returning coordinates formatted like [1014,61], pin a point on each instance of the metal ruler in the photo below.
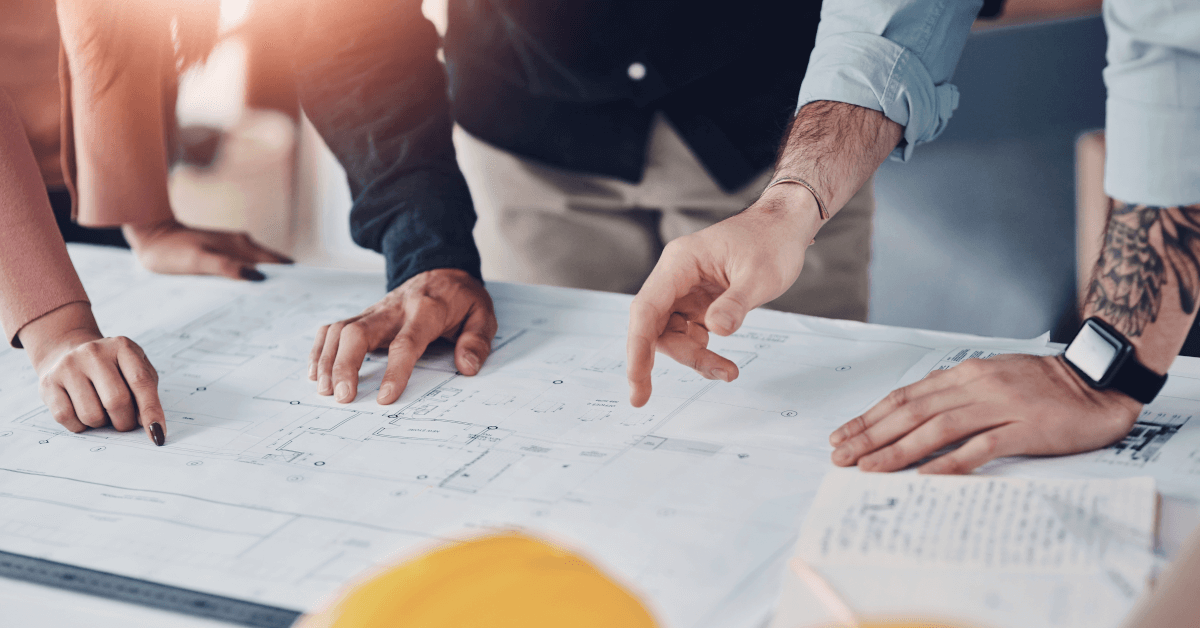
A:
[143,592]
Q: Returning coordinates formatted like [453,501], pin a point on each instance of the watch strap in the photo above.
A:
[1137,381]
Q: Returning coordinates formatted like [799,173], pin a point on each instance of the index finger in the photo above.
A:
[648,316]
[142,379]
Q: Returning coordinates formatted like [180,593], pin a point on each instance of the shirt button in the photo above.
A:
[636,71]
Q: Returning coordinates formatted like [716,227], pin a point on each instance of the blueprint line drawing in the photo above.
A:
[283,495]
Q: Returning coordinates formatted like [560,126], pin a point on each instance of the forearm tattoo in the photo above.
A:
[1142,244]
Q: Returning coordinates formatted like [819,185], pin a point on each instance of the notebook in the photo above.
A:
[971,551]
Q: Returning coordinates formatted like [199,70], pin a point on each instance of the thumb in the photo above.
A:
[475,342]
[726,313]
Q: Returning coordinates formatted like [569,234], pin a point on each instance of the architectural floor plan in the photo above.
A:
[269,492]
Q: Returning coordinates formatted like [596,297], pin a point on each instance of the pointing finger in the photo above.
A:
[143,382]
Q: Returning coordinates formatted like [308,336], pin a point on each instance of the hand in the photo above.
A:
[442,303]
[709,281]
[171,248]
[1008,405]
[88,380]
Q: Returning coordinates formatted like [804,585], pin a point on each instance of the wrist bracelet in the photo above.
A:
[824,213]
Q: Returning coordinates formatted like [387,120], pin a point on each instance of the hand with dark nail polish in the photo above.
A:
[251,274]
[157,435]
[89,381]
[176,249]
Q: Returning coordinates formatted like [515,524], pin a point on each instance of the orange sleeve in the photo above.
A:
[36,275]
[115,113]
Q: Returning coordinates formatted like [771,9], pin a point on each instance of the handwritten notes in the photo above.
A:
[910,520]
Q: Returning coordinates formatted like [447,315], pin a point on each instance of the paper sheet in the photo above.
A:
[272,493]
[906,520]
[976,551]
[269,492]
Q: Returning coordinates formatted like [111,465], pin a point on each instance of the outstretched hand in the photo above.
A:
[442,303]
[1007,405]
[176,249]
[708,281]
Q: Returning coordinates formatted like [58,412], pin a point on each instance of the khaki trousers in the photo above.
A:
[544,225]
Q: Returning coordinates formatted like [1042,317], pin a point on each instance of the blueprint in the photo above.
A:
[271,493]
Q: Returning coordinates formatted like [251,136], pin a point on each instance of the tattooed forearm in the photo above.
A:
[1142,244]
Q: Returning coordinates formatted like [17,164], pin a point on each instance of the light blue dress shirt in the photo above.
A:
[1152,120]
[897,57]
[894,56]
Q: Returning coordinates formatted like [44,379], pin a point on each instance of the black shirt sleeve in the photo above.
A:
[370,82]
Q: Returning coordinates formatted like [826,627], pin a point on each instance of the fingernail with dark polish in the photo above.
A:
[251,274]
[157,435]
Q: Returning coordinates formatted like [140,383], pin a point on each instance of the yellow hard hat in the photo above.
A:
[500,581]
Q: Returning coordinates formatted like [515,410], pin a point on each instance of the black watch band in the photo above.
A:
[1106,360]
[1137,381]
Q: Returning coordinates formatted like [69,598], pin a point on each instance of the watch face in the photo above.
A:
[1092,351]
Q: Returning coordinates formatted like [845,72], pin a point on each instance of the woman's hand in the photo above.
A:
[88,380]
[172,248]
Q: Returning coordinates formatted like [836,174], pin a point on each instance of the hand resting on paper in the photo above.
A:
[172,248]
[1005,406]
[88,380]
[441,303]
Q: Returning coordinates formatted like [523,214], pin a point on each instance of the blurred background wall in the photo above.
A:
[974,234]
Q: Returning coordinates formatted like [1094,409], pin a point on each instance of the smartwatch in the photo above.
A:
[1105,359]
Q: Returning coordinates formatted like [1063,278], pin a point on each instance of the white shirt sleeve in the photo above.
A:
[1152,136]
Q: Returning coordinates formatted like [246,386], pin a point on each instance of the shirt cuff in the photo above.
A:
[1152,156]
[873,72]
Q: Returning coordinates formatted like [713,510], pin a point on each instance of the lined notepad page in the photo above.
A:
[910,520]
[984,552]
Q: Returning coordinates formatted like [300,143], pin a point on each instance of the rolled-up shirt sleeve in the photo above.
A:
[1152,137]
[893,56]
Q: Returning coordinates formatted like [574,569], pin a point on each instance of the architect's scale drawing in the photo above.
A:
[271,493]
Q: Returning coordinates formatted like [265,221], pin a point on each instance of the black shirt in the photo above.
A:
[571,83]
